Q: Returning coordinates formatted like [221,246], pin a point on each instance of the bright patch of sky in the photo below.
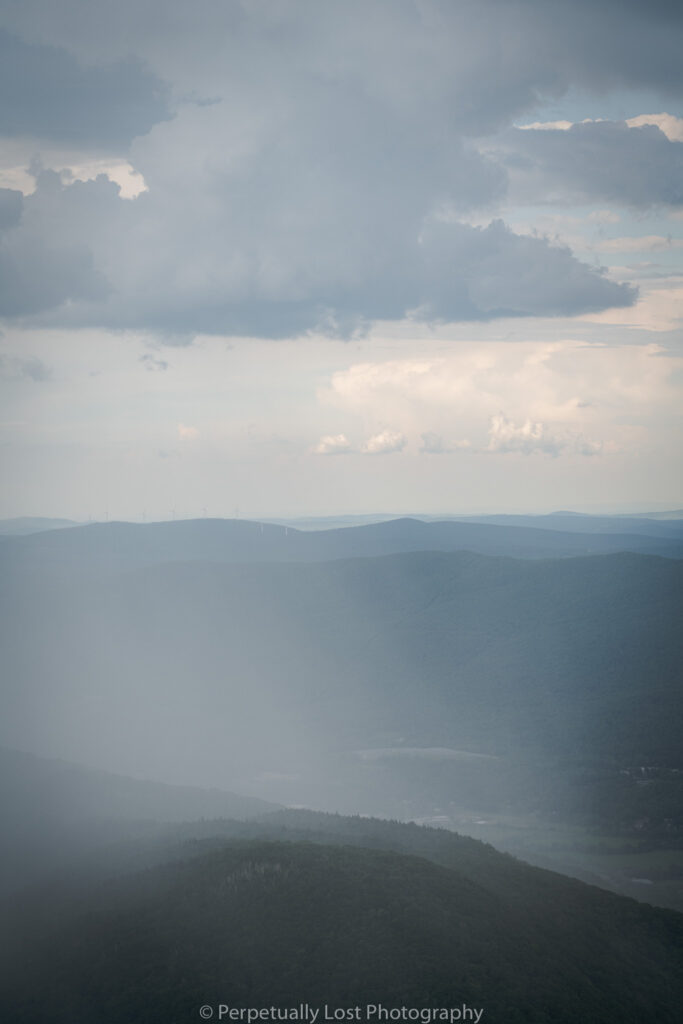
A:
[577,104]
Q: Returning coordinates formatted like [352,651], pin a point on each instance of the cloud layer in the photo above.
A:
[312,167]
[595,161]
[49,94]
[564,398]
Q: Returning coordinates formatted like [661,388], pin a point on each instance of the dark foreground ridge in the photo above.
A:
[249,922]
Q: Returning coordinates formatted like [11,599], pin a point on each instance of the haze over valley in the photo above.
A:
[438,685]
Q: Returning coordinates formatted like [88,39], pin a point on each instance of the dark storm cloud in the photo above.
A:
[269,283]
[10,207]
[476,62]
[329,186]
[600,161]
[602,45]
[480,273]
[45,263]
[48,94]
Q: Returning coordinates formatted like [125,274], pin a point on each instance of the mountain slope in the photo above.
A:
[53,812]
[275,924]
[25,525]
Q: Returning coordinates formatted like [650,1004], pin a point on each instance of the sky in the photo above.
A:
[278,258]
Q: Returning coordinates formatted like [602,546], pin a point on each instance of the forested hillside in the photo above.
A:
[256,923]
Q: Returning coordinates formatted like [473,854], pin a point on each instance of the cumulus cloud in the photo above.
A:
[50,94]
[671,126]
[333,444]
[556,383]
[45,257]
[384,443]
[566,398]
[327,185]
[532,438]
[411,48]
[480,273]
[584,446]
[435,444]
[10,208]
[594,161]
[258,264]
[526,439]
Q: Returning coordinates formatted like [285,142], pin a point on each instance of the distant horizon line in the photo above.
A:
[658,510]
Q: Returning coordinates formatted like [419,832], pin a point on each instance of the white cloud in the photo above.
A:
[584,446]
[384,443]
[527,438]
[333,444]
[670,125]
[667,123]
[256,248]
[546,126]
[659,307]
[299,182]
[565,397]
[435,444]
[186,433]
[18,165]
[592,161]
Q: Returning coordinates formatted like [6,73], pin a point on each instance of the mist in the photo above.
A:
[393,684]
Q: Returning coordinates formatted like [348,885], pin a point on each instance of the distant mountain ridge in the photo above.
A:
[102,547]
[24,525]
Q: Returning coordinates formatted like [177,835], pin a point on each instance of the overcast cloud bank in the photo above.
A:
[311,167]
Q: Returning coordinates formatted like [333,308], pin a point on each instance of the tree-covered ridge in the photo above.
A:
[276,923]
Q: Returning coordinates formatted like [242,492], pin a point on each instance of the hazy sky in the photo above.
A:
[294,257]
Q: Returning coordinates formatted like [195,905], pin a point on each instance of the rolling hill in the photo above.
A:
[255,923]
